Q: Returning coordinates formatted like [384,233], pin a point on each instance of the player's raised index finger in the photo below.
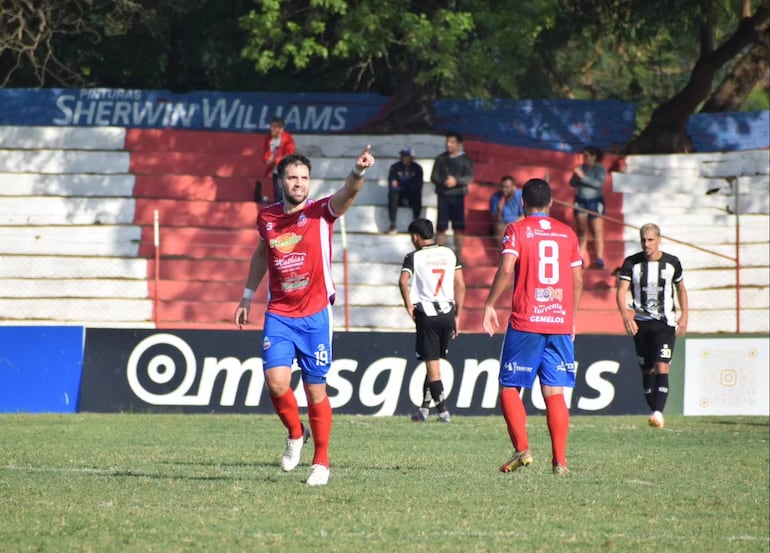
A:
[367,150]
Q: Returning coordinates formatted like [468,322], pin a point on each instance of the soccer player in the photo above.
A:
[434,300]
[294,249]
[542,256]
[653,276]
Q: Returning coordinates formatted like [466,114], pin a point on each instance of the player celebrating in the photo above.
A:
[294,249]
[654,275]
[542,256]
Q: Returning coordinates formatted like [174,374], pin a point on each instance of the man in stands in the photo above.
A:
[505,206]
[452,174]
[404,187]
[278,144]
[294,250]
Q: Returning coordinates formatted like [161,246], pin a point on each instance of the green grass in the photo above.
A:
[168,483]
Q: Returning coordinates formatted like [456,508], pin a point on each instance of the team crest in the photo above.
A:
[302,220]
[266,344]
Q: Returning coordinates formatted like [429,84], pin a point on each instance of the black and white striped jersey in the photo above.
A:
[432,270]
[652,286]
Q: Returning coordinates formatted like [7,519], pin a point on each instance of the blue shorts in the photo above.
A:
[526,355]
[597,205]
[306,339]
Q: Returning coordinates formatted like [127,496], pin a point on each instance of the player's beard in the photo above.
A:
[287,198]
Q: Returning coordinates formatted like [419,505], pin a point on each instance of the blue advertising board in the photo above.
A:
[40,368]
[562,125]
[223,111]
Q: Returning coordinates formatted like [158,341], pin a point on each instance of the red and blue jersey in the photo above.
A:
[299,257]
[543,292]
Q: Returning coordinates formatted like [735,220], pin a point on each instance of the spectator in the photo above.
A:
[541,256]
[505,206]
[404,187]
[434,300]
[451,175]
[588,180]
[278,144]
[294,250]
[651,277]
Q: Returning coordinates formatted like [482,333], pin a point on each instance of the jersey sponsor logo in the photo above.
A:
[516,368]
[548,319]
[566,367]
[549,294]
[291,262]
[540,309]
[285,243]
[295,282]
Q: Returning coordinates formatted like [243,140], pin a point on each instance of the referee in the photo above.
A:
[434,300]
[652,276]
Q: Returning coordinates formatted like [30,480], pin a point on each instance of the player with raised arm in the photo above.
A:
[542,256]
[294,250]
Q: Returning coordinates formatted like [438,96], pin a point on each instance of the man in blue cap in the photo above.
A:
[404,187]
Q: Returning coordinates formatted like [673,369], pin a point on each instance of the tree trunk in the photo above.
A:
[750,71]
[410,110]
[666,132]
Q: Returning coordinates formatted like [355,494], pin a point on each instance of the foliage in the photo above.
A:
[470,49]
[136,483]
[637,51]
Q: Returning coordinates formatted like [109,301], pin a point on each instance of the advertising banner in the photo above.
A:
[40,368]
[372,374]
[224,111]
[727,376]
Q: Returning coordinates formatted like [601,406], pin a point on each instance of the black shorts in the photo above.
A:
[451,209]
[433,335]
[654,343]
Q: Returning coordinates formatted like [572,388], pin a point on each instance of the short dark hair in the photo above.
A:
[594,151]
[536,193]
[507,177]
[278,120]
[292,159]
[454,134]
[422,228]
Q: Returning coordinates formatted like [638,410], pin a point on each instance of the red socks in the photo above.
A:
[287,410]
[515,417]
[320,415]
[557,416]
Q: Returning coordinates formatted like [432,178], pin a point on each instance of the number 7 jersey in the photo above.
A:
[432,269]
[543,296]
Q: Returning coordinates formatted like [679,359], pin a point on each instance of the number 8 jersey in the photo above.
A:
[543,297]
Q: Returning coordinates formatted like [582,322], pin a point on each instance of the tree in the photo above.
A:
[32,34]
[667,130]
[412,51]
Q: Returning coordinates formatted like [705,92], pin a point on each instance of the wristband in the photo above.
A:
[358,174]
[248,293]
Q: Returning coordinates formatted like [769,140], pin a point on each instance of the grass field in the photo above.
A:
[168,483]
